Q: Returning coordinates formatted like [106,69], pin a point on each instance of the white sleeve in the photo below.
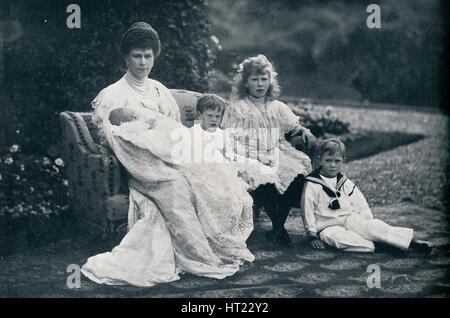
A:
[308,206]
[170,103]
[290,119]
[102,106]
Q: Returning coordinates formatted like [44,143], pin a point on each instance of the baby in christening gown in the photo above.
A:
[122,115]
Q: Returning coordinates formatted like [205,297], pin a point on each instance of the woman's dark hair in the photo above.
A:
[140,36]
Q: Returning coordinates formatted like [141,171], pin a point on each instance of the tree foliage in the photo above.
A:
[51,68]
[324,49]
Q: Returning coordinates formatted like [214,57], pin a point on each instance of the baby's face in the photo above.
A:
[122,115]
[211,119]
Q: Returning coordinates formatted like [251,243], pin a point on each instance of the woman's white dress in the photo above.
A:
[183,217]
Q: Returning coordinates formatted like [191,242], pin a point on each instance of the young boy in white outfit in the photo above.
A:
[335,212]
[212,144]
[208,139]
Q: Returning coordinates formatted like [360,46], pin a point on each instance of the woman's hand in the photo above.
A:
[317,244]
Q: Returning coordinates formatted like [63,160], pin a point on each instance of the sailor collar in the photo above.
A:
[334,194]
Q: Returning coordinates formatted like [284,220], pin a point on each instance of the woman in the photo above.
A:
[182,218]
[258,123]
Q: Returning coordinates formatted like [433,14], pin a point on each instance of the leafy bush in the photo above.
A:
[51,68]
[321,123]
[31,184]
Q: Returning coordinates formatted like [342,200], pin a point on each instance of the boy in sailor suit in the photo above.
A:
[335,211]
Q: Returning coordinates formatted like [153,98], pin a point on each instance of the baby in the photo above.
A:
[335,212]
[122,115]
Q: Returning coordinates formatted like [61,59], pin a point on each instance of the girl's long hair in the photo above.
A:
[258,65]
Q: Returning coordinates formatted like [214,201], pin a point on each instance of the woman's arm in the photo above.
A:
[169,102]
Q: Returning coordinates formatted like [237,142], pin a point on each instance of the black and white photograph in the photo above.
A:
[238,151]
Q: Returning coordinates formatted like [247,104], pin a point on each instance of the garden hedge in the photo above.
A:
[51,68]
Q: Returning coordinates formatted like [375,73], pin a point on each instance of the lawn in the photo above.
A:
[416,172]
[405,185]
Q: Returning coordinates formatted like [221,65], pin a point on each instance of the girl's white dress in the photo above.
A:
[183,217]
[258,131]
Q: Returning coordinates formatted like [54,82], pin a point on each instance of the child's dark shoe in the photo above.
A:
[279,237]
[423,247]
[271,236]
[283,238]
